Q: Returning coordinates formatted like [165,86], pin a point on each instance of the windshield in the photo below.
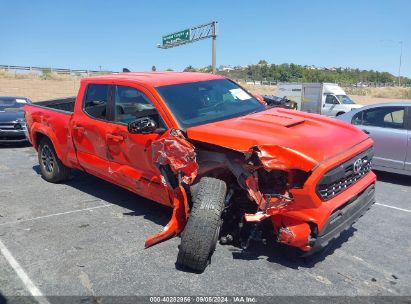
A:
[345,99]
[198,103]
[10,103]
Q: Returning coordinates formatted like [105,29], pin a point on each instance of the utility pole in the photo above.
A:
[399,68]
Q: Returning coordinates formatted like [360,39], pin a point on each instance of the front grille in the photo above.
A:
[7,126]
[345,175]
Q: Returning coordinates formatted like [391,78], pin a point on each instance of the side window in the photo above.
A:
[357,119]
[385,117]
[394,119]
[130,104]
[330,99]
[95,102]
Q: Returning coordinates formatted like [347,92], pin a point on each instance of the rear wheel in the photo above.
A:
[51,167]
[199,238]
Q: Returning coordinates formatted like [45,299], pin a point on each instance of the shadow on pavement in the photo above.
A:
[2,299]
[285,256]
[393,178]
[139,206]
[14,145]
[116,195]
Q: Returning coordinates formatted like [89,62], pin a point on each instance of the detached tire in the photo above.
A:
[51,167]
[199,238]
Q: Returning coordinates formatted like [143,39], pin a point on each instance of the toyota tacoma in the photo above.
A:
[230,169]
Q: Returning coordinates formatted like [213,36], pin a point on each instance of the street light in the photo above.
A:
[399,68]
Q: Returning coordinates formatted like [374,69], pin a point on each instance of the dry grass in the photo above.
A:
[387,92]
[38,89]
[52,85]
[363,96]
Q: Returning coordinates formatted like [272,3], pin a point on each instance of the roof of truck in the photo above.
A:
[157,79]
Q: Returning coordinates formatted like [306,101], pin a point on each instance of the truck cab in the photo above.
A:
[335,101]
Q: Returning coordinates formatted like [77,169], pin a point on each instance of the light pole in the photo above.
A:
[214,36]
[399,67]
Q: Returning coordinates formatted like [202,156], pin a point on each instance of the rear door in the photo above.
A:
[386,126]
[89,125]
[130,155]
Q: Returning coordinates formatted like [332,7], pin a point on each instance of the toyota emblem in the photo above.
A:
[357,166]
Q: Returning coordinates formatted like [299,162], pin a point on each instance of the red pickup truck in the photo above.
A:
[201,144]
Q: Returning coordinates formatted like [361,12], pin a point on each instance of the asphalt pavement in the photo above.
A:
[86,238]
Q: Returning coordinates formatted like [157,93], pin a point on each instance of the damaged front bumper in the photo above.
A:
[343,218]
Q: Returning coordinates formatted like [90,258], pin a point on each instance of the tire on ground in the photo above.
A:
[199,238]
[59,172]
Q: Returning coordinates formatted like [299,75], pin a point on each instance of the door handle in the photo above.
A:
[115,138]
[78,128]
[365,131]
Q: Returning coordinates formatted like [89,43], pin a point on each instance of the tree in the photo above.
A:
[190,68]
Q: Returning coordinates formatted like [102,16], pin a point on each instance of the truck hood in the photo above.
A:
[11,116]
[313,137]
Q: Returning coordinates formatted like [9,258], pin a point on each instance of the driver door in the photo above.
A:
[330,106]
[130,155]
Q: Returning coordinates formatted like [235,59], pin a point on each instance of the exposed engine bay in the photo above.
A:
[258,184]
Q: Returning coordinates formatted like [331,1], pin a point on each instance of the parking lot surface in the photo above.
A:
[86,237]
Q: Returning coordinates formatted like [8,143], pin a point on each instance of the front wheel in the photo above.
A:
[51,167]
[199,238]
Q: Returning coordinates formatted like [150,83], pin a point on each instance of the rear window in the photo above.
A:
[95,101]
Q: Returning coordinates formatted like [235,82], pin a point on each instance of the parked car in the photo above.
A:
[12,122]
[389,125]
[204,146]
[279,102]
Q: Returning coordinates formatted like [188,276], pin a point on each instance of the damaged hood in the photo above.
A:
[313,137]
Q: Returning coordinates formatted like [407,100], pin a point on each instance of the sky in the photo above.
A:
[89,34]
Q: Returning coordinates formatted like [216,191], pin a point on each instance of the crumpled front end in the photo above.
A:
[284,184]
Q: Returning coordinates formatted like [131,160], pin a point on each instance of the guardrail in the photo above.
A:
[49,69]
[359,85]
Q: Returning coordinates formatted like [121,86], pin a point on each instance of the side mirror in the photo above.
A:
[143,125]
[259,98]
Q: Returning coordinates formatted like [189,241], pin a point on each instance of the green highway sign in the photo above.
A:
[184,35]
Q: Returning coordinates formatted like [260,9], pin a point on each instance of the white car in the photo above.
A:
[389,125]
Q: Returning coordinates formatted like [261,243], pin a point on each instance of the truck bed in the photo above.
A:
[65,104]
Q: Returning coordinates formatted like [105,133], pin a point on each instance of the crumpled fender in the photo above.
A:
[178,219]
[282,158]
[174,150]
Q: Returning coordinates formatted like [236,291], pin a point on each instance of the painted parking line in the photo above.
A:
[392,207]
[28,283]
[56,214]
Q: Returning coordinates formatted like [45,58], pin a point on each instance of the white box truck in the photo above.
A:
[321,98]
